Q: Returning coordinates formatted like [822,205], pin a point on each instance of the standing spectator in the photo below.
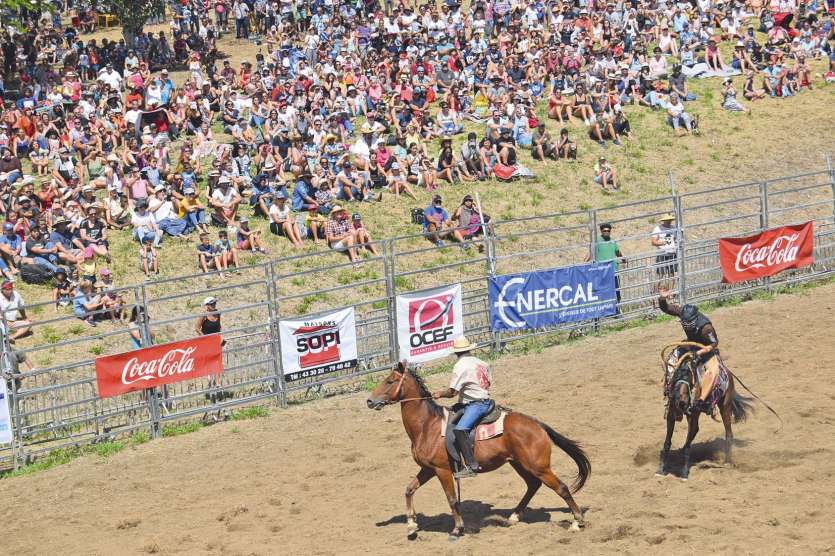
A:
[664,240]
[607,249]
[241,11]
[13,308]
[206,324]
[148,257]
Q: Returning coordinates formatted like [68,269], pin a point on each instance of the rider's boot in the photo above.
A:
[469,464]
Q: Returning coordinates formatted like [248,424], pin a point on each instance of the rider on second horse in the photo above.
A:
[699,329]
[471,378]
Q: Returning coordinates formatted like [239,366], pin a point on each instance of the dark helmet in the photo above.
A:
[689,314]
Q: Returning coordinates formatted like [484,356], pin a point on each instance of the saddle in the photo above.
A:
[489,426]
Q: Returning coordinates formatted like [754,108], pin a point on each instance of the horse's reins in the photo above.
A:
[664,356]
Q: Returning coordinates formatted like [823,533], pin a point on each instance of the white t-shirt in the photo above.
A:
[144,222]
[279,215]
[668,236]
[471,377]
[10,306]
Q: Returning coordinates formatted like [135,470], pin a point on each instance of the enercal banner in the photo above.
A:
[428,321]
[318,345]
[551,297]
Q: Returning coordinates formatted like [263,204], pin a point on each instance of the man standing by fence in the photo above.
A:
[665,241]
[607,249]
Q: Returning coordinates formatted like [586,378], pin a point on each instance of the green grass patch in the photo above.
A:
[184,428]
[247,413]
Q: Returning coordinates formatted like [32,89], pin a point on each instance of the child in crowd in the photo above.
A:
[148,257]
[225,252]
[62,292]
[206,257]
[248,238]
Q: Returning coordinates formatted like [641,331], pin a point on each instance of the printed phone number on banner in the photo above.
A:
[319,371]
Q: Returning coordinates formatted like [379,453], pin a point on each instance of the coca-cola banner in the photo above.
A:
[318,345]
[156,365]
[767,253]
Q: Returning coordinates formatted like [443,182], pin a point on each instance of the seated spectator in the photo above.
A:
[315,224]
[144,224]
[437,224]
[282,222]
[93,232]
[340,235]
[40,251]
[678,117]
[226,253]
[63,288]
[351,185]
[397,182]
[605,175]
[87,305]
[10,250]
[193,211]
[164,213]
[467,216]
[729,101]
[542,146]
[361,234]
[207,258]
[117,210]
[249,239]
[506,147]
[566,147]
[473,163]
[13,309]
[225,201]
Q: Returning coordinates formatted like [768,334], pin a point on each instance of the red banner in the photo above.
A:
[156,365]
[767,253]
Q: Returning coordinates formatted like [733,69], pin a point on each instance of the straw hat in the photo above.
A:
[668,217]
[462,344]
[338,208]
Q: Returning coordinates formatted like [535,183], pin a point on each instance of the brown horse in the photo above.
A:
[524,444]
[679,389]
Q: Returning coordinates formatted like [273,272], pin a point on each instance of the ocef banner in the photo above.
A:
[5,419]
[157,365]
[428,321]
[318,345]
[766,253]
[550,297]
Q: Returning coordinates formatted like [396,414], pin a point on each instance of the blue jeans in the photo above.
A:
[193,219]
[473,411]
[40,261]
[172,226]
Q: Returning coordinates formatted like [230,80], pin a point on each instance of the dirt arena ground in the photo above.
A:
[328,477]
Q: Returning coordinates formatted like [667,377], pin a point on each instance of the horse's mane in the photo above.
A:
[424,392]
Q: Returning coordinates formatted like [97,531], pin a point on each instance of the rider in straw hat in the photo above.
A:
[471,379]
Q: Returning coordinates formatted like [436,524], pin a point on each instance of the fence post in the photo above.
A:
[764,221]
[831,171]
[391,301]
[592,220]
[145,334]
[681,246]
[7,368]
[274,333]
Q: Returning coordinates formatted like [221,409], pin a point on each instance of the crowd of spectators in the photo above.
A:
[346,106]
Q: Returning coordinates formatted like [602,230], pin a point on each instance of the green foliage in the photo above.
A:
[139,437]
[247,413]
[184,428]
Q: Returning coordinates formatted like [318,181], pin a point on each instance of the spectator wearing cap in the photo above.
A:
[225,201]
[40,252]
[144,224]
[468,217]
[352,185]
[86,304]
[448,120]
[340,234]
[13,309]
[193,212]
[249,239]
[304,193]
[361,233]
[165,214]
[606,249]
[281,220]
[11,247]
[473,163]
[605,175]
[93,232]
[437,224]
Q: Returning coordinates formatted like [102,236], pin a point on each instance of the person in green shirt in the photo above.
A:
[606,249]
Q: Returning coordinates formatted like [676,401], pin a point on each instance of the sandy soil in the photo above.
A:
[328,477]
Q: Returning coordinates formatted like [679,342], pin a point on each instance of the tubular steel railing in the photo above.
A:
[53,396]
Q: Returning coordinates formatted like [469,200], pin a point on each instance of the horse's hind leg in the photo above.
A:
[411,520]
[547,476]
[726,413]
[533,486]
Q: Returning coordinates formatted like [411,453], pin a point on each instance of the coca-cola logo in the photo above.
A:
[173,362]
[782,250]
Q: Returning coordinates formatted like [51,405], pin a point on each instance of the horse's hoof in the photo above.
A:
[514,518]
[575,525]
[452,537]
[412,534]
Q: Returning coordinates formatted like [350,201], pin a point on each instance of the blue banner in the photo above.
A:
[551,297]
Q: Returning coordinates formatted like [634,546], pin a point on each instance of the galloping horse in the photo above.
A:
[678,388]
[524,444]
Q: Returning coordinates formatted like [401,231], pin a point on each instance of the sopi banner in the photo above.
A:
[551,297]
[318,345]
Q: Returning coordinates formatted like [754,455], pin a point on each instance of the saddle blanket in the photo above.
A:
[482,432]
[720,385]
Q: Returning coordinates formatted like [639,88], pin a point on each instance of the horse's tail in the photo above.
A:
[574,451]
[741,408]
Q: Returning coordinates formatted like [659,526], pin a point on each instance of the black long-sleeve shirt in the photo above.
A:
[704,334]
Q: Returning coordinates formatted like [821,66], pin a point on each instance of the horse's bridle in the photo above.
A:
[397,392]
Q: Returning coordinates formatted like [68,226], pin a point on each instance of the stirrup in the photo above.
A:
[464,473]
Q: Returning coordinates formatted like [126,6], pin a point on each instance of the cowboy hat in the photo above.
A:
[462,344]
[668,216]
[338,208]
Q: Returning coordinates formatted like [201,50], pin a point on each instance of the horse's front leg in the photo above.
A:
[668,441]
[692,429]
[411,519]
[448,483]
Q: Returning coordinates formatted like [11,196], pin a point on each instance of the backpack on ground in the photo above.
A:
[35,274]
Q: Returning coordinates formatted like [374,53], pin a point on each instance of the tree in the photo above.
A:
[132,14]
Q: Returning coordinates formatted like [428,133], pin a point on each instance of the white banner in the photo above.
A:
[428,321]
[318,345]
[5,420]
